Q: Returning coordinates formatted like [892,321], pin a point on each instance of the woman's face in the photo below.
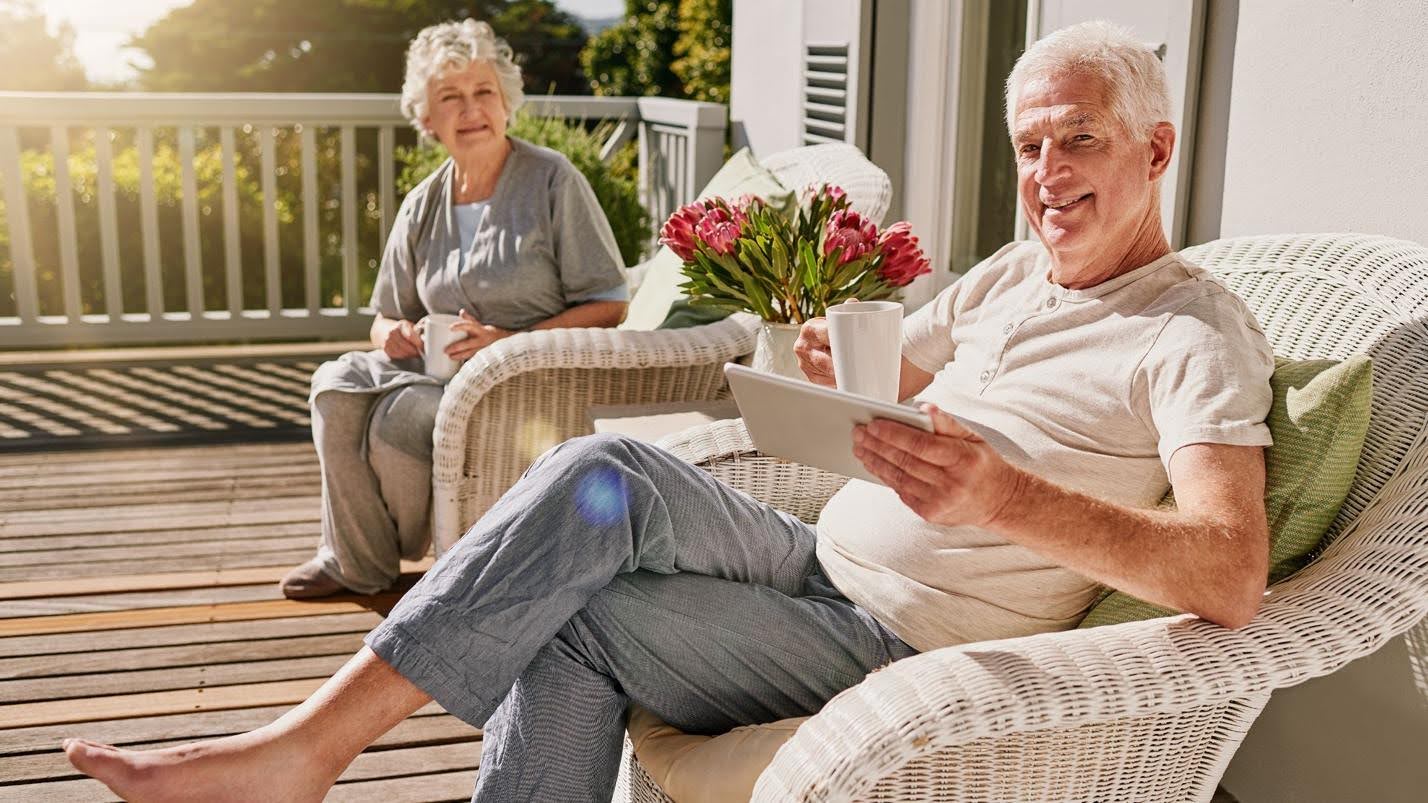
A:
[465,109]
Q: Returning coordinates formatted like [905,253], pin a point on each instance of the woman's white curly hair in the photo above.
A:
[454,45]
[1134,78]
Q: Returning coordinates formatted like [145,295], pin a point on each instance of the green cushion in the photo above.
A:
[741,175]
[1318,420]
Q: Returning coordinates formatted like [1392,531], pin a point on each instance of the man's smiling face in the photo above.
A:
[1086,185]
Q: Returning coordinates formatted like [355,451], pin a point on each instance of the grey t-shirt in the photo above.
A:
[1094,389]
[540,246]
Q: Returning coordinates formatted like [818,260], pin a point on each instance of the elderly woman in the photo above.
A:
[505,234]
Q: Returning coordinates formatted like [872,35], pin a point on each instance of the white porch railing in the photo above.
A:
[78,296]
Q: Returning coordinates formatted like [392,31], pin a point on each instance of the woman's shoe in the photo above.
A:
[309,581]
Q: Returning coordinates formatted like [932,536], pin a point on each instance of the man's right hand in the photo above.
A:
[401,340]
[815,355]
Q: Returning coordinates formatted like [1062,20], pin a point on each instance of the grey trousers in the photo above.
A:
[614,572]
[375,453]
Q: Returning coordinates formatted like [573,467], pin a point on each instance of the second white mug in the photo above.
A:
[866,337]
[435,338]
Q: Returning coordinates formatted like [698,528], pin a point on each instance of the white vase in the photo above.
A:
[773,350]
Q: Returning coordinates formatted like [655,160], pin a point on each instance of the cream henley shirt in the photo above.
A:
[1093,389]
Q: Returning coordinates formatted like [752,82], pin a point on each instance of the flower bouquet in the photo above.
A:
[787,267]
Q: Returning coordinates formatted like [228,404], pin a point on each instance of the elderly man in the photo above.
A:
[1084,371]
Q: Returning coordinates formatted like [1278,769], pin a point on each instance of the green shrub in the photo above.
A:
[616,184]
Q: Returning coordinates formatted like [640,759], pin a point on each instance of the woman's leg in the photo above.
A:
[297,757]
[399,444]
[360,539]
[704,654]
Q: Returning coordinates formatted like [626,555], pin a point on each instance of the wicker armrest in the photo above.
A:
[723,448]
[531,391]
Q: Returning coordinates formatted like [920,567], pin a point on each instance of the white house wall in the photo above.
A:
[1329,119]
[765,108]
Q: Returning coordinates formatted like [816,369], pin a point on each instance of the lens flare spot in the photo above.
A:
[601,497]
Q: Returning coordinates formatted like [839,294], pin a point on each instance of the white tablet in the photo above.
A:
[809,423]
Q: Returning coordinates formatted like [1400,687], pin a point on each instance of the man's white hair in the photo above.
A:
[454,45]
[1133,77]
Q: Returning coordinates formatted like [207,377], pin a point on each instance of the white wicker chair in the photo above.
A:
[1154,710]
[529,392]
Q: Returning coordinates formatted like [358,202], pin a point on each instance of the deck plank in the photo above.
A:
[186,655]
[139,606]
[414,733]
[176,635]
[193,614]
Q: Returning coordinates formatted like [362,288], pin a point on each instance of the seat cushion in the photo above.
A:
[1318,420]
[706,769]
[659,289]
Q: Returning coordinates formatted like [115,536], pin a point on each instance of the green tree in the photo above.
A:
[633,57]
[341,45]
[32,58]
[673,48]
[703,48]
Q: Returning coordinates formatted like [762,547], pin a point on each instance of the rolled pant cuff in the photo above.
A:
[407,651]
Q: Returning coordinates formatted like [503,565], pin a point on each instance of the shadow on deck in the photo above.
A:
[139,605]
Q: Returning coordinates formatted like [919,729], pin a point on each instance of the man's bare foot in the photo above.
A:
[252,766]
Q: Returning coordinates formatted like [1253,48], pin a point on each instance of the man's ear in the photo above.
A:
[1162,146]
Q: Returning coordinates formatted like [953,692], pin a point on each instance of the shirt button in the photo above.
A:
[1007,329]
[986,375]
[1050,303]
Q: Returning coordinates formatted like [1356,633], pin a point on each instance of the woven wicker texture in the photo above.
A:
[525,394]
[1153,710]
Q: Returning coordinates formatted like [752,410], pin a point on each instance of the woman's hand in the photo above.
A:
[815,355]
[399,339]
[478,336]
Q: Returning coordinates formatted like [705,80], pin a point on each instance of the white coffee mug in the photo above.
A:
[866,337]
[436,336]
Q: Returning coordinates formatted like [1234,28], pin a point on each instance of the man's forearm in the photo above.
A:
[1212,568]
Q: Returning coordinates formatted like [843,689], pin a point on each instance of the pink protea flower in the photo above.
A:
[903,259]
[853,233]
[720,228]
[678,231]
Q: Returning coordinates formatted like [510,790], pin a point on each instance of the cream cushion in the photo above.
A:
[706,769]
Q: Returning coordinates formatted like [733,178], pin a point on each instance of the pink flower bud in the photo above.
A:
[903,259]
[851,232]
[678,231]
[719,229]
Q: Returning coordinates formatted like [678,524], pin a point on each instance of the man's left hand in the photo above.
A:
[950,476]
[478,336]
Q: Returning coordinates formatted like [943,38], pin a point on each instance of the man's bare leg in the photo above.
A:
[297,757]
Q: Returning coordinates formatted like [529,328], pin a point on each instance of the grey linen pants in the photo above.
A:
[614,572]
[375,453]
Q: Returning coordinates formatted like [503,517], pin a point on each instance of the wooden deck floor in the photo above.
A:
[139,605]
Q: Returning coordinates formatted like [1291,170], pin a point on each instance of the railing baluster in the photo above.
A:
[192,256]
[268,161]
[232,242]
[149,222]
[68,240]
[22,252]
[386,171]
[108,223]
[311,255]
[349,218]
